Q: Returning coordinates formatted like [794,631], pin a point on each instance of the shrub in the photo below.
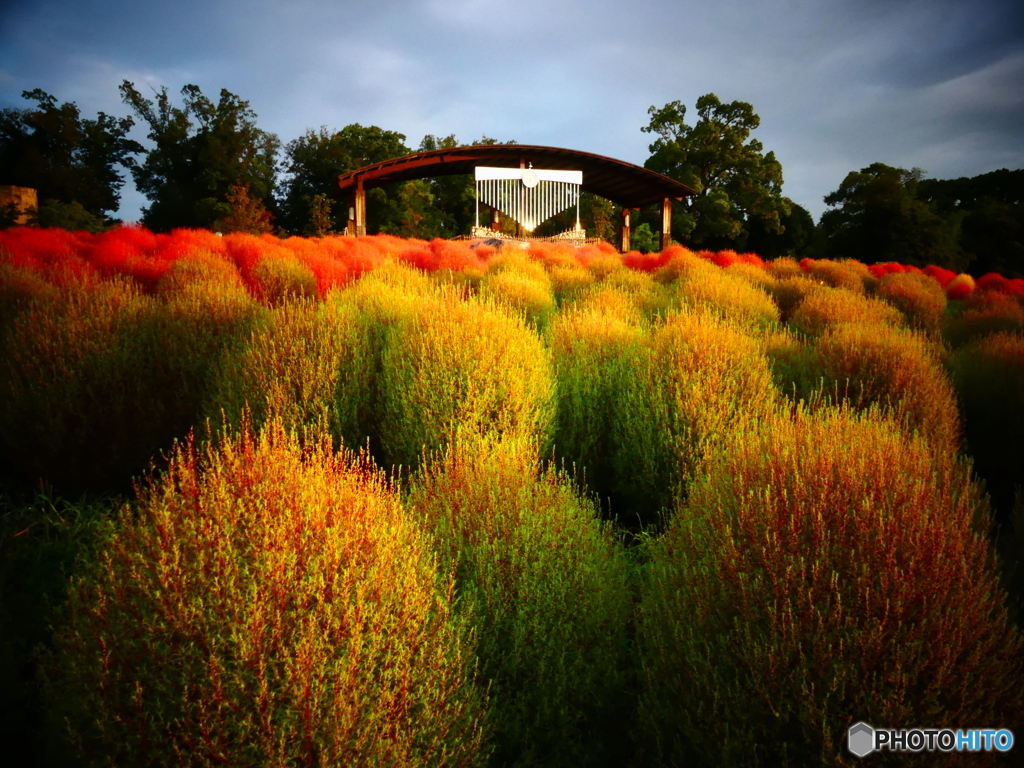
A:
[462,366]
[302,365]
[826,307]
[849,274]
[547,584]
[525,291]
[986,312]
[787,293]
[960,287]
[919,297]
[896,370]
[595,349]
[784,268]
[698,373]
[280,276]
[988,374]
[69,390]
[262,605]
[730,296]
[826,569]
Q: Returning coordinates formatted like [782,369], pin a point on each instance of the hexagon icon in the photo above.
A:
[861,739]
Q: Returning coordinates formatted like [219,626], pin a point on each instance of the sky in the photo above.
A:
[838,84]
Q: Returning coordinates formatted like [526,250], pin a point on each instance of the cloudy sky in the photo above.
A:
[838,84]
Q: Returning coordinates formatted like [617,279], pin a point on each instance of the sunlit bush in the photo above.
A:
[462,367]
[895,369]
[826,569]
[698,373]
[919,297]
[730,296]
[266,605]
[827,307]
[595,348]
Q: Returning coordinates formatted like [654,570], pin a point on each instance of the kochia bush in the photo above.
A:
[826,568]
[463,367]
[266,605]
[548,586]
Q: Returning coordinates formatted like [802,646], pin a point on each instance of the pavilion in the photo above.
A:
[628,185]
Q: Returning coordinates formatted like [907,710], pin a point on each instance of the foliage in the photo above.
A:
[245,214]
[314,161]
[200,150]
[875,215]
[65,158]
[698,374]
[988,374]
[734,178]
[826,569]
[447,373]
[549,584]
[265,604]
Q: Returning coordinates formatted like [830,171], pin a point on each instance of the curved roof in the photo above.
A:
[624,183]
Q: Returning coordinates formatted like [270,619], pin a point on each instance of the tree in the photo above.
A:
[876,216]
[200,150]
[991,212]
[735,180]
[798,236]
[315,160]
[66,158]
[245,214]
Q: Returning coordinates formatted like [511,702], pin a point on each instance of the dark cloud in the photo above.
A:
[838,84]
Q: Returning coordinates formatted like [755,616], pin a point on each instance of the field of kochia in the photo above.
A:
[384,502]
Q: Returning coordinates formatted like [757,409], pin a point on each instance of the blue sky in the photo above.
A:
[838,84]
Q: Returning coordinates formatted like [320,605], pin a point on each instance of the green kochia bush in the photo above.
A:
[303,364]
[826,569]
[547,583]
[596,353]
[266,605]
[467,367]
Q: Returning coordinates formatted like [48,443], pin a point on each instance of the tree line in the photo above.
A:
[207,164]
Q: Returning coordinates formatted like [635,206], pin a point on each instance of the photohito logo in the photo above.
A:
[862,739]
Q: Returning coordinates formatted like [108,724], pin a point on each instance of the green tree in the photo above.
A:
[991,208]
[315,160]
[200,150]
[876,216]
[735,180]
[798,236]
[66,158]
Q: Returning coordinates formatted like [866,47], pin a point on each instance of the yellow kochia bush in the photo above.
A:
[266,605]
[466,366]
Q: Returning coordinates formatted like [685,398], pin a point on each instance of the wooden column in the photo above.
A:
[666,222]
[624,241]
[495,220]
[359,204]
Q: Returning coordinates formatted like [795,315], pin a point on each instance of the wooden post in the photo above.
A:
[495,220]
[625,240]
[360,208]
[666,222]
